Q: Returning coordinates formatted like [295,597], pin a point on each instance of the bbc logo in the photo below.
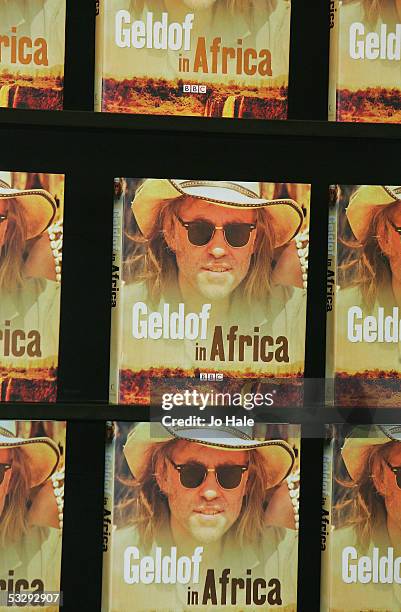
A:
[194,88]
[211,376]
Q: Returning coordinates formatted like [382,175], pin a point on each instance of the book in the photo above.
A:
[31,239]
[209,58]
[365,53]
[32,465]
[32,49]
[363,360]
[208,284]
[178,533]
[360,524]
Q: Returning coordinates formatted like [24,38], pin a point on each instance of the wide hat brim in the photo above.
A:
[278,454]
[358,445]
[365,202]
[285,214]
[42,454]
[38,206]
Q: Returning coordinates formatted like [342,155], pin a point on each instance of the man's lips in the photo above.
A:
[217,269]
[208,511]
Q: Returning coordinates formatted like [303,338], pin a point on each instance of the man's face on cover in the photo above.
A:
[215,269]
[206,512]
[388,487]
[5,458]
[392,245]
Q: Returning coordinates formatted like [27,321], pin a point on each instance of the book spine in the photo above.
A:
[108,521]
[334,59]
[99,54]
[116,297]
[331,293]
[326,520]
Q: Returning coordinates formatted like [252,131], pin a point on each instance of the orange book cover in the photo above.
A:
[365,57]
[32,467]
[31,241]
[208,283]
[212,58]
[32,46]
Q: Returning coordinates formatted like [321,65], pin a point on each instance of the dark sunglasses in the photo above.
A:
[201,232]
[397,472]
[396,227]
[193,474]
[3,218]
[3,469]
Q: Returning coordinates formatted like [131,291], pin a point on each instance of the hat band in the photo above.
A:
[6,433]
[221,185]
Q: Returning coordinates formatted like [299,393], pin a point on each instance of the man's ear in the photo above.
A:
[169,233]
[379,485]
[161,477]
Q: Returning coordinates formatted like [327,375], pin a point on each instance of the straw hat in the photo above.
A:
[42,453]
[285,214]
[362,439]
[277,454]
[365,202]
[38,205]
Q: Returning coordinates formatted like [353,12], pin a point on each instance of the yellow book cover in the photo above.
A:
[365,60]
[211,58]
[208,283]
[361,527]
[31,240]
[201,520]
[32,464]
[365,345]
[32,47]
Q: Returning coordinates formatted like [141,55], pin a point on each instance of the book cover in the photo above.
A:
[208,284]
[203,520]
[210,58]
[32,464]
[364,321]
[31,239]
[365,54]
[361,528]
[32,47]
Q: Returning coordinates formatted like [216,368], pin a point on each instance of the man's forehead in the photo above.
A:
[194,208]
[193,451]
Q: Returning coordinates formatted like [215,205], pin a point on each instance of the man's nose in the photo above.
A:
[209,489]
[218,246]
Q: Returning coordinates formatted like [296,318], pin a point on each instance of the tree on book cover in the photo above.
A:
[32,42]
[206,524]
[361,527]
[32,465]
[209,282]
[366,334]
[214,58]
[365,59]
[31,237]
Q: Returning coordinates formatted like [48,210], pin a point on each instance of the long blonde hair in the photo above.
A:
[155,264]
[361,506]
[146,507]
[12,251]
[370,269]
[14,523]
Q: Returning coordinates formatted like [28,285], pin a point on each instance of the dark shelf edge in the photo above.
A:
[88,120]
